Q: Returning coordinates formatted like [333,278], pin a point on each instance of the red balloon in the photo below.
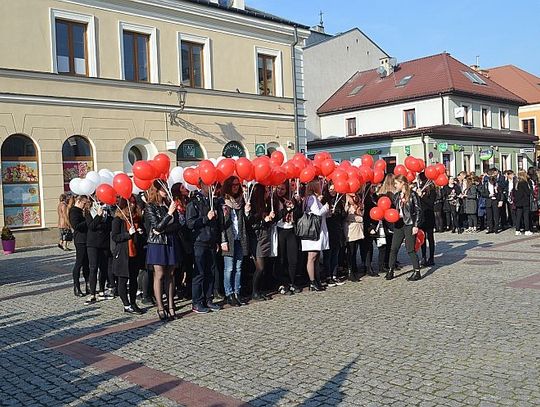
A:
[141,183]
[123,185]
[366,173]
[299,157]
[354,184]
[441,180]
[411,176]
[431,172]
[352,172]
[319,157]
[341,186]
[191,176]
[226,167]
[391,215]
[378,175]
[411,163]
[278,156]
[419,240]
[307,174]
[291,169]
[206,163]
[376,213]
[422,165]
[367,160]
[380,165]
[106,194]
[345,164]
[339,174]
[244,168]
[262,170]
[143,170]
[278,176]
[400,170]
[384,203]
[441,169]
[327,167]
[163,163]
[208,174]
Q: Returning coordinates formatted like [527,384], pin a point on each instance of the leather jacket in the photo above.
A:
[411,210]
[157,218]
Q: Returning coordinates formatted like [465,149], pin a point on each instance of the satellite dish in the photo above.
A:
[392,62]
[226,3]
[381,71]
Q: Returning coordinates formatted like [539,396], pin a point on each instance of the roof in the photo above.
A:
[333,37]
[251,12]
[430,76]
[518,81]
[446,131]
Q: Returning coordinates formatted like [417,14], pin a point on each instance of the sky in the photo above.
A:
[499,32]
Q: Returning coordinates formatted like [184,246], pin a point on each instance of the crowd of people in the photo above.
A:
[233,244]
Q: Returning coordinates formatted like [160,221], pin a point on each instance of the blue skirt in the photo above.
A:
[163,254]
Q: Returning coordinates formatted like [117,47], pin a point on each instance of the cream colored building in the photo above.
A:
[89,84]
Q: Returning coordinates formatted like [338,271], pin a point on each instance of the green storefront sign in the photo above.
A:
[260,149]
[457,147]
[374,152]
[408,150]
[485,154]
[442,147]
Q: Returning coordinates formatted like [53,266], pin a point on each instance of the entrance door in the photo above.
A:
[390,164]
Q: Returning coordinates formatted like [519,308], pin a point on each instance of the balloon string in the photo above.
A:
[298,186]
[272,199]
[211,195]
[124,215]
[428,183]
[166,188]
[130,215]
[338,197]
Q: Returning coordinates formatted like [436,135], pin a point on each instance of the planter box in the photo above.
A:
[8,246]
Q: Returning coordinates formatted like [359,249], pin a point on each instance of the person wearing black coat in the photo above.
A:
[451,204]
[494,201]
[438,210]
[427,196]
[98,239]
[385,229]
[203,221]
[184,271]
[522,202]
[370,227]
[334,223]
[77,221]
[127,239]
[161,220]
[407,204]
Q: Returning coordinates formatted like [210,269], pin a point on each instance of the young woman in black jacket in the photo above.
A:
[427,196]
[387,189]
[522,202]
[407,204]
[127,241]
[494,201]
[98,239]
[77,221]
[162,250]
[334,223]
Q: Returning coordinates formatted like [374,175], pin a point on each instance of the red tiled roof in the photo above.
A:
[430,76]
[518,81]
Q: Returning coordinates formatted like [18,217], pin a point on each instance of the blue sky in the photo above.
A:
[500,32]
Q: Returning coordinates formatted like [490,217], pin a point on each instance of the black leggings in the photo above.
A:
[352,253]
[439,223]
[81,261]
[401,233]
[133,271]
[258,275]
[523,218]
[384,254]
[98,259]
[430,238]
[288,254]
[472,220]
[366,253]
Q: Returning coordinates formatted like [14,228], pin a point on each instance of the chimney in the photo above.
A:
[388,64]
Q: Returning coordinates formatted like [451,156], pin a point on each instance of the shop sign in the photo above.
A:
[408,150]
[260,149]
[442,147]
[486,154]
[457,147]
[374,152]
[526,150]
[233,149]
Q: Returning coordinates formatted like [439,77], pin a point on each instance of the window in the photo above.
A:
[189,152]
[475,78]
[505,164]
[447,161]
[503,118]
[391,163]
[486,116]
[76,159]
[136,56]
[409,119]
[265,68]
[134,154]
[71,48]
[405,80]
[20,182]
[233,149]
[527,126]
[356,90]
[135,150]
[192,65]
[467,115]
[467,163]
[521,162]
[351,127]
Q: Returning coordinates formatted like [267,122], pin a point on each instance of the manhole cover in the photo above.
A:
[482,262]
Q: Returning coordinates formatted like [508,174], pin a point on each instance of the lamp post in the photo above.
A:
[181,93]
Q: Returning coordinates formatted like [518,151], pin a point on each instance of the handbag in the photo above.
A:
[67,235]
[308,227]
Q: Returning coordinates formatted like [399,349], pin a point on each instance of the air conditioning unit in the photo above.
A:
[459,112]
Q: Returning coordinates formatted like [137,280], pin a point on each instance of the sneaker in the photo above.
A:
[282,290]
[295,289]
[331,283]
[337,282]
[213,307]
[518,233]
[200,309]
[528,233]
[90,301]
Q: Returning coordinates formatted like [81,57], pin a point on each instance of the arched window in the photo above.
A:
[77,159]
[233,149]
[138,149]
[273,146]
[20,182]
[189,152]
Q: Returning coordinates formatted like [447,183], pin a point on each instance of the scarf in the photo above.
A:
[233,203]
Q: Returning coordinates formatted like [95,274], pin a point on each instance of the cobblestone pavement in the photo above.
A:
[466,334]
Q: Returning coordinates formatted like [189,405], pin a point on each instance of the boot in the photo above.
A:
[389,274]
[415,276]
[77,290]
[87,288]
[231,300]
[353,276]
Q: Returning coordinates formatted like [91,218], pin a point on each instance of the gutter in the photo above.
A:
[295,95]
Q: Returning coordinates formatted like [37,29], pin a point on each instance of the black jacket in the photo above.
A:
[412,212]
[78,224]
[334,223]
[492,200]
[156,217]
[120,238]
[450,197]
[522,195]
[99,231]
[205,232]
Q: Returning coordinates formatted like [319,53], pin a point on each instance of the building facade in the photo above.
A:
[329,60]
[435,108]
[87,85]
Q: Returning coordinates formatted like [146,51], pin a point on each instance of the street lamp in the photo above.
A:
[181,93]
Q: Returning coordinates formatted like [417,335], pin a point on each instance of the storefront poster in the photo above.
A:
[21,194]
[19,171]
[75,169]
[21,216]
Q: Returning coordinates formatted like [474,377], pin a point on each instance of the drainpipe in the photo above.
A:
[295,96]
[442,107]
[424,146]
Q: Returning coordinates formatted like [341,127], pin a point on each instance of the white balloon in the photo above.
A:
[118,172]
[235,157]
[220,159]
[105,171]
[357,162]
[176,175]
[94,177]
[87,187]
[107,178]
[190,187]
[74,186]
